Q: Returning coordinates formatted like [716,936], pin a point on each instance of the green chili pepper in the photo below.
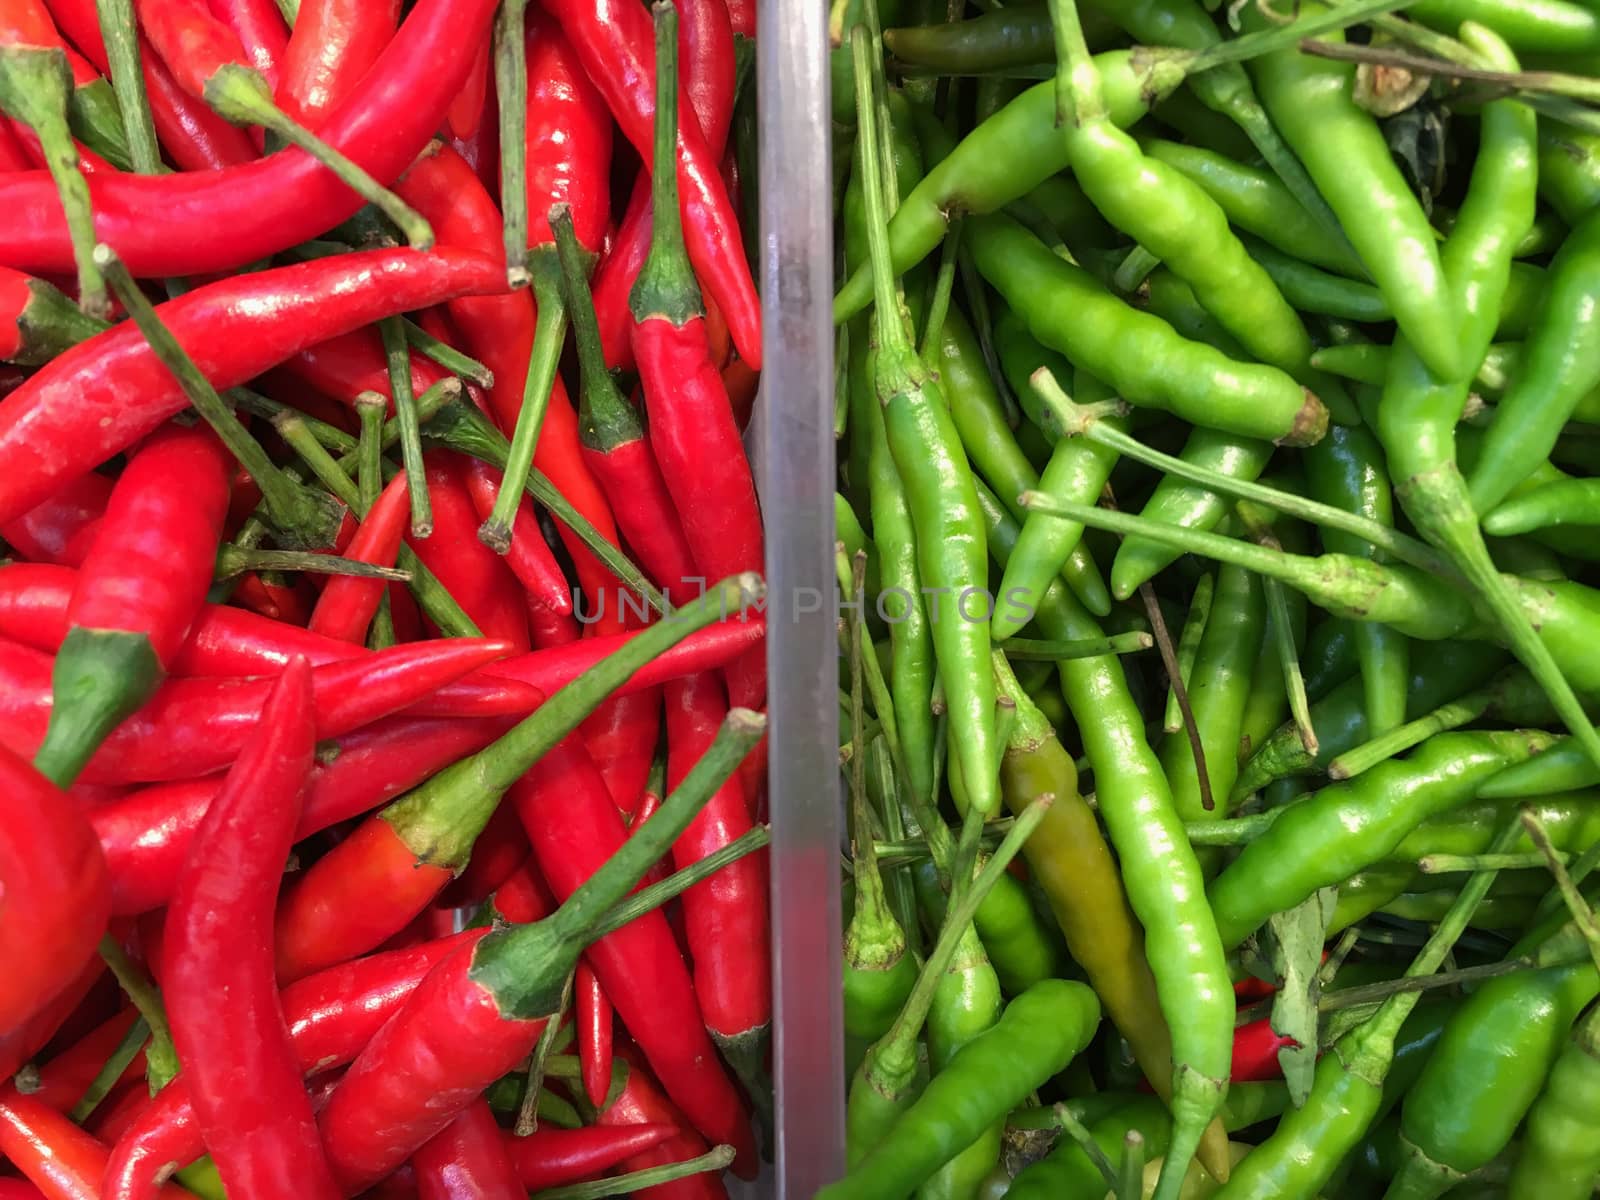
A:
[1569,169]
[1534,25]
[1159,868]
[1194,628]
[1039,1033]
[1564,767]
[1067,1173]
[1560,1154]
[1564,502]
[1002,160]
[1309,100]
[1328,836]
[946,522]
[1313,290]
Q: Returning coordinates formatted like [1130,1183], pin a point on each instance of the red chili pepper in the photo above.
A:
[575,827]
[594,1034]
[499,852]
[104,394]
[551,669]
[28,23]
[347,604]
[12,156]
[466,112]
[61,1082]
[524,897]
[705,41]
[196,224]
[146,834]
[613,39]
[194,726]
[725,917]
[56,895]
[476,576]
[642,1103]
[530,559]
[61,529]
[195,137]
[552,1157]
[569,139]
[219,988]
[260,29]
[621,739]
[20,1043]
[330,1016]
[334,44]
[480,1011]
[61,1160]
[692,433]
[742,382]
[467,1160]
[194,44]
[139,590]
[343,367]
[1255,1051]
[117,1113]
[742,15]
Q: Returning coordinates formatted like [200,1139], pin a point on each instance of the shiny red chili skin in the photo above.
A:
[524,896]
[102,395]
[467,1160]
[552,1157]
[642,1103]
[194,726]
[550,669]
[28,23]
[595,1033]
[343,367]
[194,44]
[60,1159]
[193,224]
[530,559]
[120,1110]
[465,116]
[12,156]
[575,827]
[331,1016]
[498,330]
[62,528]
[1255,1051]
[705,59]
[569,139]
[149,566]
[57,897]
[146,834]
[471,572]
[334,44]
[616,42]
[221,995]
[621,738]
[742,15]
[260,29]
[726,916]
[61,1082]
[499,852]
[347,604]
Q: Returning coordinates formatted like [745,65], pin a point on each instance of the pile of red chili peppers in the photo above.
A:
[381,735]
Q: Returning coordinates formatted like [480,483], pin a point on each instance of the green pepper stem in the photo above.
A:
[549,335]
[674,885]
[511,86]
[1040,650]
[428,406]
[871,905]
[528,1113]
[239,94]
[943,286]
[666,287]
[1079,95]
[111,1071]
[398,355]
[1413,733]
[1130,1177]
[119,32]
[447,356]
[1079,420]
[890,322]
[307,516]
[605,418]
[161,1059]
[1194,627]
[34,88]
[236,560]
[1286,37]
[1294,682]
[1456,864]
[371,408]
[713,1161]
[1554,861]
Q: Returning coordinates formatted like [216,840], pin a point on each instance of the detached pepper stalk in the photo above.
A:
[138,592]
[482,1009]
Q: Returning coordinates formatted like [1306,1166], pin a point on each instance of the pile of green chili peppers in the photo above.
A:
[1218,403]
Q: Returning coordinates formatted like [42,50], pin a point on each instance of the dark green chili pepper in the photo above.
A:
[1039,1033]
[993,451]
[1309,100]
[1002,160]
[1328,836]
[1139,355]
[1257,202]
[1007,37]
[1217,694]
[1067,1173]
[946,521]
[1346,469]
[1560,1154]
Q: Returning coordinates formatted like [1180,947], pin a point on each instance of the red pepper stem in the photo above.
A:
[239,94]
[466,430]
[119,31]
[398,354]
[101,677]
[549,335]
[50,323]
[440,820]
[605,418]
[525,967]
[34,86]
[511,87]
[307,517]
[666,287]
[236,560]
